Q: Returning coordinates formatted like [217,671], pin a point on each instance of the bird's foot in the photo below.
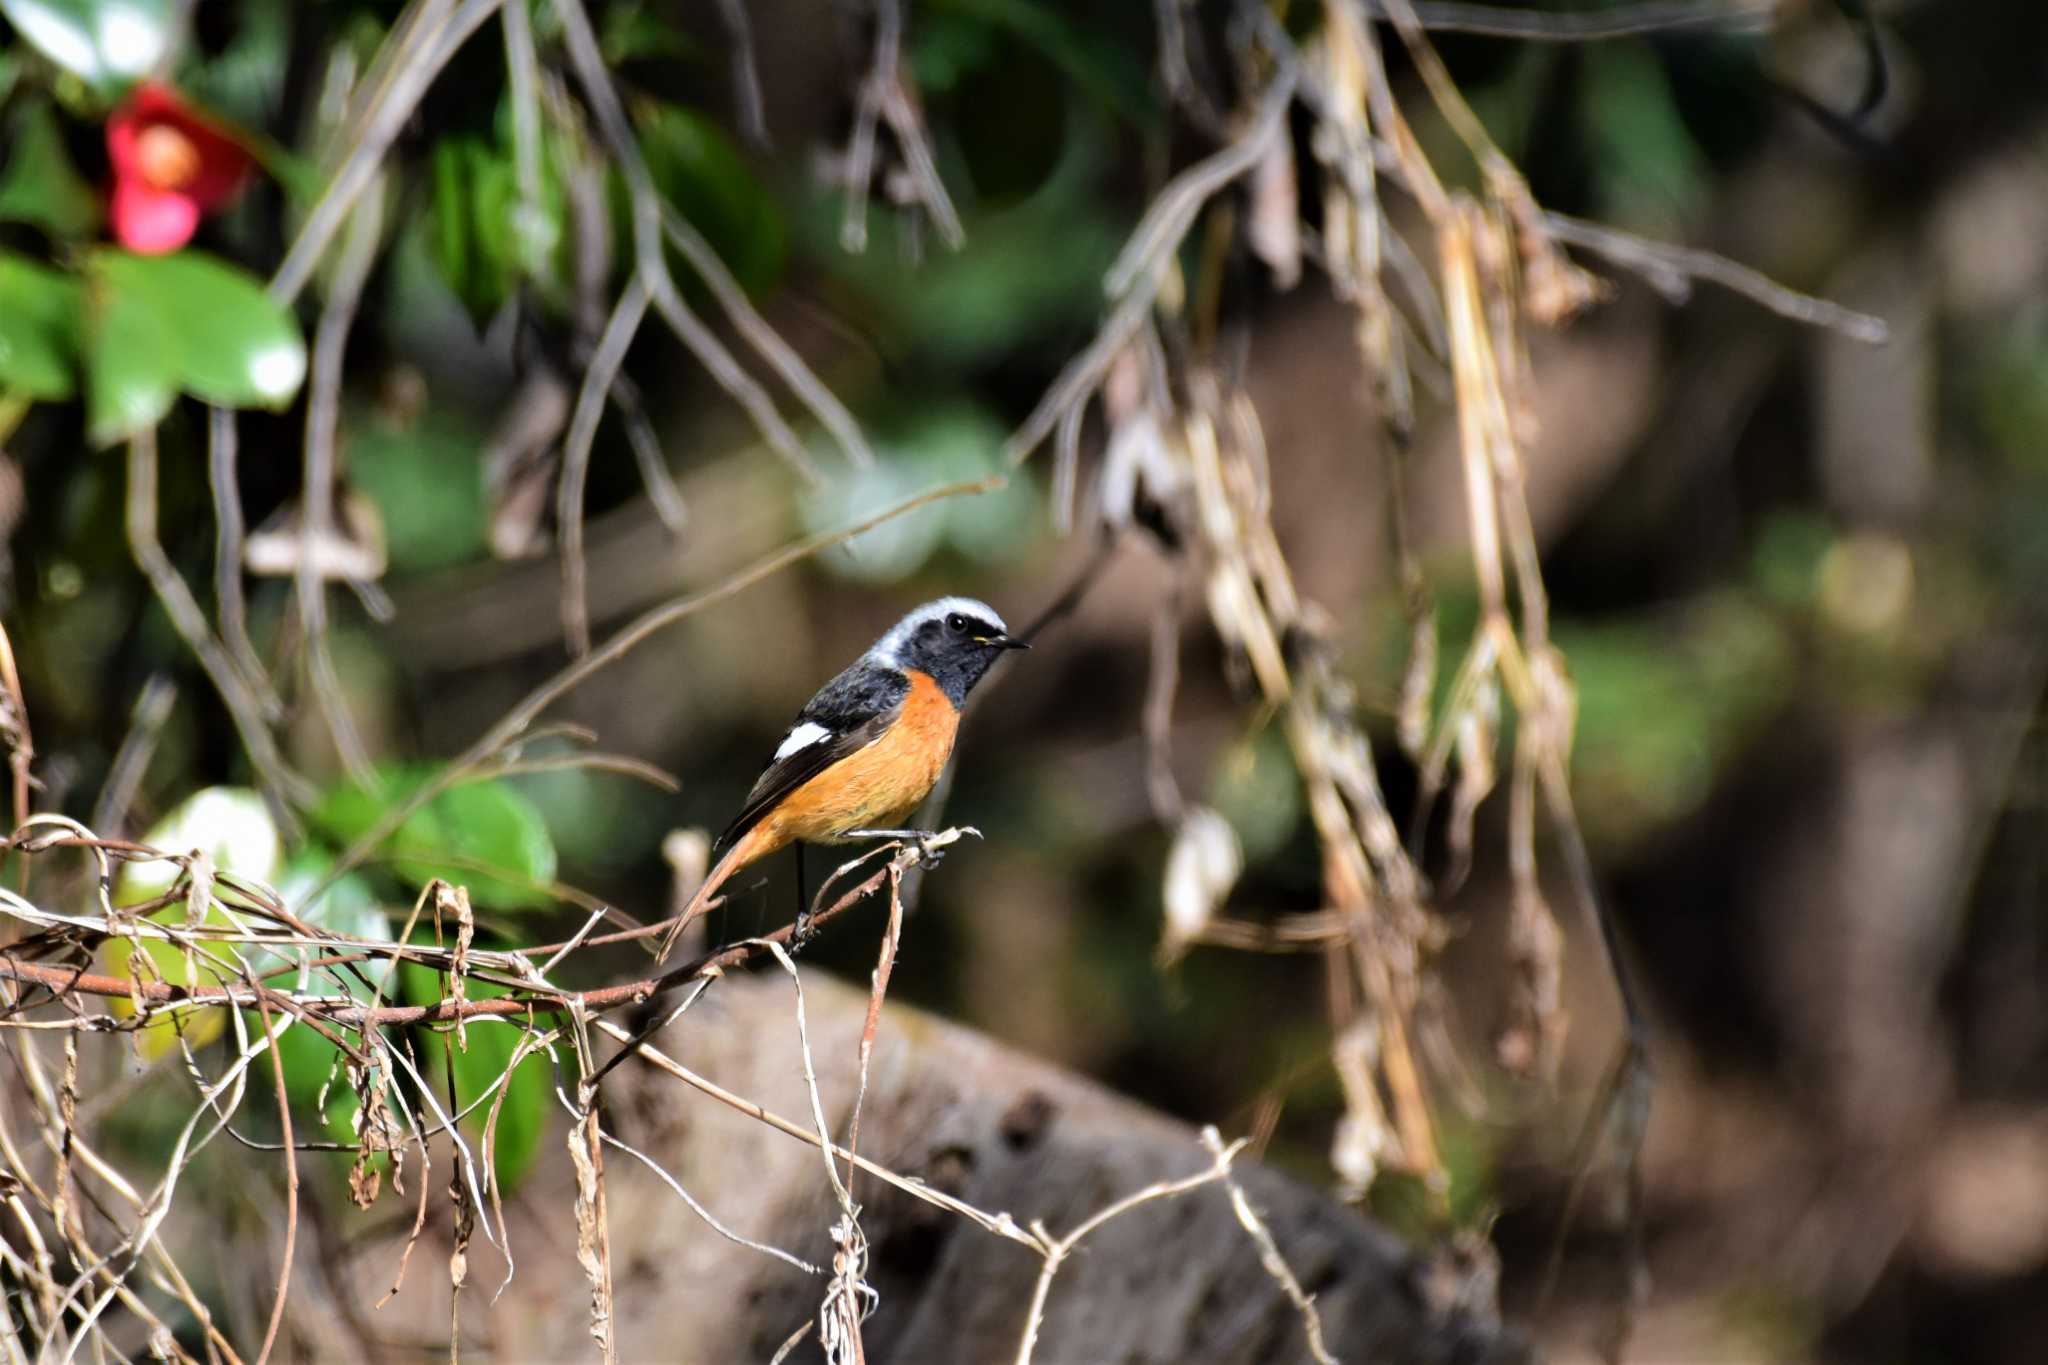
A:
[802,931]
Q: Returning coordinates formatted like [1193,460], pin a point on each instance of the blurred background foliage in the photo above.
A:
[1798,581]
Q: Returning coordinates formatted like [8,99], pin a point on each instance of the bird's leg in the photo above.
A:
[800,932]
[927,851]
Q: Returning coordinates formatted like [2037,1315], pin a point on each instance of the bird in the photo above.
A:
[866,750]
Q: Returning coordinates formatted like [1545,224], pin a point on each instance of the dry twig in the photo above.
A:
[1057,1249]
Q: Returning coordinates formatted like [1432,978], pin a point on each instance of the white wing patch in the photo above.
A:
[802,737]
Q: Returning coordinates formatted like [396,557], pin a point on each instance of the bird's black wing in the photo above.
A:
[853,711]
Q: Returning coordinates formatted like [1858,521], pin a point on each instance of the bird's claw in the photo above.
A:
[802,931]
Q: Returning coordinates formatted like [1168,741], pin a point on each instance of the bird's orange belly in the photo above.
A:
[880,785]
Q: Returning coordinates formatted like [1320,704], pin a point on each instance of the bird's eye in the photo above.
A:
[957,623]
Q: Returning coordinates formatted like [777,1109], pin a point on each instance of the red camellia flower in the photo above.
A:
[170,167]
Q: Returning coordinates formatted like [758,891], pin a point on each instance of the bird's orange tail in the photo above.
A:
[752,847]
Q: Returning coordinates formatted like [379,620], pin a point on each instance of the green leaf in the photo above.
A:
[1667,700]
[349,906]
[522,1117]
[41,185]
[311,1065]
[471,230]
[1091,61]
[185,321]
[940,442]
[1258,790]
[230,825]
[891,551]
[697,169]
[235,346]
[483,835]
[632,34]
[164,961]
[486,242]
[39,322]
[246,79]
[233,828]
[482,825]
[1004,289]
[1649,169]
[107,43]
[131,367]
[427,481]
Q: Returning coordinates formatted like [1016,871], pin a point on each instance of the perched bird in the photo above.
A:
[867,749]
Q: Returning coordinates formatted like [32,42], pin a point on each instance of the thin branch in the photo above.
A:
[649,213]
[1066,467]
[316,497]
[885,963]
[1172,212]
[131,761]
[1161,683]
[886,95]
[421,44]
[598,378]
[791,1342]
[751,109]
[14,727]
[291,1187]
[621,764]
[1056,1250]
[766,341]
[710,1218]
[647,453]
[810,1070]
[158,998]
[1175,72]
[522,80]
[1588,26]
[277,782]
[1136,277]
[999,1224]
[593,1227]
[1670,269]
[229,527]
[1269,1255]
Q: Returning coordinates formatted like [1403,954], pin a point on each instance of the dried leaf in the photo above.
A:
[1201,869]
[376,1131]
[1478,732]
[1136,463]
[590,1234]
[1273,229]
[1554,288]
[849,1299]
[1532,1036]
[521,453]
[455,900]
[1418,684]
[465,1228]
[520,513]
[1364,1140]
[352,551]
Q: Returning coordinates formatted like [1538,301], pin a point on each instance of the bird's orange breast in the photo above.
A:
[878,785]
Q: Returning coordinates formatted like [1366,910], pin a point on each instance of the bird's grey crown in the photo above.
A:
[889,649]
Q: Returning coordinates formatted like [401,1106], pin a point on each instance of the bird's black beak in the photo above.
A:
[1002,642]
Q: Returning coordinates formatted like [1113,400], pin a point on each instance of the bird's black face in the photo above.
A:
[957,649]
